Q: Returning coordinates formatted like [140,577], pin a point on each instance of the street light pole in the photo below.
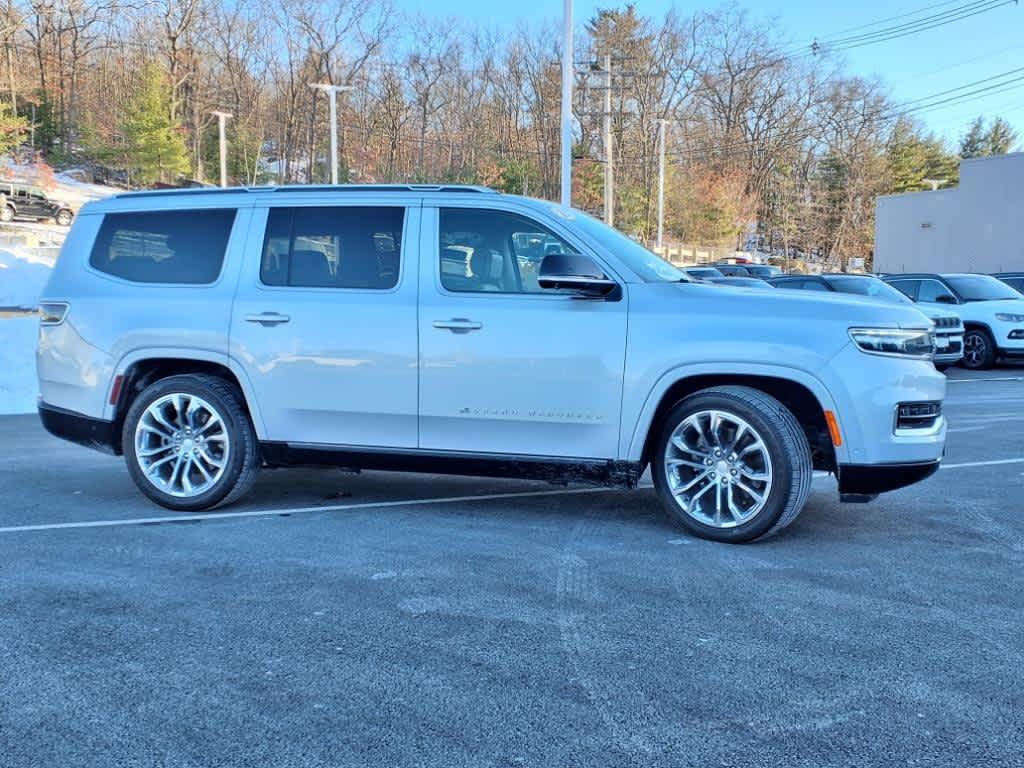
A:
[609,158]
[567,75]
[661,182]
[332,92]
[222,118]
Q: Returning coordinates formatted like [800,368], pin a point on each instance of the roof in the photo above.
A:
[296,188]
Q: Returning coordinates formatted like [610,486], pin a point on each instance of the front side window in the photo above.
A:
[163,246]
[934,291]
[493,251]
[333,247]
[907,287]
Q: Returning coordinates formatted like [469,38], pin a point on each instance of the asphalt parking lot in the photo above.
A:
[332,619]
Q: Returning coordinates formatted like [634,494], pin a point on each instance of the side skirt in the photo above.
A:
[603,472]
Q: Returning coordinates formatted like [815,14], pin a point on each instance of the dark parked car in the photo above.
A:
[763,271]
[739,282]
[703,273]
[1013,279]
[25,201]
[734,270]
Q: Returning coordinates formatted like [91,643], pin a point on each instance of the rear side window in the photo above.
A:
[333,247]
[163,246]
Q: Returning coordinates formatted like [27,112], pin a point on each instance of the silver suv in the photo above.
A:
[205,334]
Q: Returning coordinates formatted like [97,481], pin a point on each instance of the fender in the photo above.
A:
[642,422]
[200,355]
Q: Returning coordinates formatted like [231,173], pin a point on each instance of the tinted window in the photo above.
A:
[867,286]
[906,287]
[931,290]
[1017,283]
[163,246]
[981,288]
[333,247]
[493,251]
[814,285]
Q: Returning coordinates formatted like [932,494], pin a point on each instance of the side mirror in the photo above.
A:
[944,298]
[574,272]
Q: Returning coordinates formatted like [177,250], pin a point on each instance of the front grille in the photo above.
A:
[920,415]
[947,322]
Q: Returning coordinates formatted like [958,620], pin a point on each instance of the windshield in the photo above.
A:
[648,265]
[705,272]
[868,286]
[982,288]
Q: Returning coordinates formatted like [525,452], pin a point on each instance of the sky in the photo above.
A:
[919,65]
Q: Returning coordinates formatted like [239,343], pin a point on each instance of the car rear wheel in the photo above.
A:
[189,444]
[732,464]
[979,350]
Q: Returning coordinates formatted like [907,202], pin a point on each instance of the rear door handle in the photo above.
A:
[458,325]
[267,319]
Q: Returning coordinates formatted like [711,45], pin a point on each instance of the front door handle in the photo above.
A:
[458,325]
[267,319]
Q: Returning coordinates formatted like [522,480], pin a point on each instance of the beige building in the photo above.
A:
[976,227]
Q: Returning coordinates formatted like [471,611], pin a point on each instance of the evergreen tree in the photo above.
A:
[982,141]
[912,158]
[1001,137]
[156,144]
[12,129]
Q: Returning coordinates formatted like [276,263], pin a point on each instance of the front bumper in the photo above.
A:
[83,430]
[869,480]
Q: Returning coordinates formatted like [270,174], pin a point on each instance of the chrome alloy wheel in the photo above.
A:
[182,445]
[718,469]
[975,348]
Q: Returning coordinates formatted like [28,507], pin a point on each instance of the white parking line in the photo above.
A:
[992,463]
[296,510]
[381,504]
[999,378]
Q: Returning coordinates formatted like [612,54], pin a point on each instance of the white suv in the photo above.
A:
[207,333]
[992,312]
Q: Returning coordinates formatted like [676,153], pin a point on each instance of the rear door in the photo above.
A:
[508,368]
[324,321]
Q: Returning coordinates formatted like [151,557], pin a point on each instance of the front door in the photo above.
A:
[505,366]
[324,322]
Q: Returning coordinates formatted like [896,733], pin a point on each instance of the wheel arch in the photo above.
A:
[140,369]
[804,396]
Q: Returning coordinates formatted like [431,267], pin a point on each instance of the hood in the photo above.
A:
[808,306]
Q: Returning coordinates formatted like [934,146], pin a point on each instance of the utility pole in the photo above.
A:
[332,92]
[222,118]
[567,75]
[609,175]
[661,182]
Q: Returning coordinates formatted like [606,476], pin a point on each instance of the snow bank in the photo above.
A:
[18,364]
[23,275]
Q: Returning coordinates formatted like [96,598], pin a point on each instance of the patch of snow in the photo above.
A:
[23,275]
[18,387]
[77,193]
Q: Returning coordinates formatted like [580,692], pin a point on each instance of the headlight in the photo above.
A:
[1008,318]
[894,341]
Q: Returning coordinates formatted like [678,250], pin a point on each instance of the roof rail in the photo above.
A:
[312,188]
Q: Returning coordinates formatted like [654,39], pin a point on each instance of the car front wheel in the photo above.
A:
[732,464]
[189,444]
[6,213]
[63,218]
[979,350]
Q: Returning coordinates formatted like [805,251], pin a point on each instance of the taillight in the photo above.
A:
[52,312]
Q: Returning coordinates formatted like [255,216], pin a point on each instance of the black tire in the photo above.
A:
[243,461]
[979,350]
[784,441]
[6,213]
[63,218]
